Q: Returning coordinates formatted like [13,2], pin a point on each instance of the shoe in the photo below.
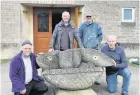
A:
[97,83]
[124,94]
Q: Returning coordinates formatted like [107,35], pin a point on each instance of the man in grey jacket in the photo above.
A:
[64,34]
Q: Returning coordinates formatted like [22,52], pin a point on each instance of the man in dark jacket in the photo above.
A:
[64,34]
[117,53]
[24,76]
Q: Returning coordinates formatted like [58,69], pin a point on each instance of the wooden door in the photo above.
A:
[42,25]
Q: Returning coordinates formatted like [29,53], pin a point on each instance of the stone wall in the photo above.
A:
[107,13]
[10,28]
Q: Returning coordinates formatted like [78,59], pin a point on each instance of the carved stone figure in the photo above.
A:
[73,69]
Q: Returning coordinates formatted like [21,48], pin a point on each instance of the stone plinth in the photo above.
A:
[78,92]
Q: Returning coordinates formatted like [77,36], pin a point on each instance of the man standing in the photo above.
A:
[64,34]
[114,51]
[91,34]
[24,76]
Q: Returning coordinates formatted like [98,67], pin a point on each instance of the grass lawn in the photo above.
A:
[133,65]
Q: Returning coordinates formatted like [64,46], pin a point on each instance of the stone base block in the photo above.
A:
[79,92]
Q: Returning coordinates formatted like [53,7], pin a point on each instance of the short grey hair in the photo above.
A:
[65,12]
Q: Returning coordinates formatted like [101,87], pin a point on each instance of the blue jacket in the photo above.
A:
[91,34]
[119,57]
[17,72]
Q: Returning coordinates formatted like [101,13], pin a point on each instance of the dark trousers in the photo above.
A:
[37,88]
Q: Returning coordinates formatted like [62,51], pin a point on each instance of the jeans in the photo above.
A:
[112,80]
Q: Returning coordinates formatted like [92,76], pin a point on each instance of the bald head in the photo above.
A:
[111,41]
[65,16]
[112,37]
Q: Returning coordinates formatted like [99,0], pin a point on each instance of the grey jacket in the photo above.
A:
[56,37]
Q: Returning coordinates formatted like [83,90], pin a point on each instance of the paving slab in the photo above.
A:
[99,89]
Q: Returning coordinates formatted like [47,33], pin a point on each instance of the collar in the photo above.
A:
[89,23]
[111,49]
[62,23]
[26,57]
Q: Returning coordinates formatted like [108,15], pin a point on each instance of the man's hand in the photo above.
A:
[40,53]
[51,49]
[115,64]
[23,91]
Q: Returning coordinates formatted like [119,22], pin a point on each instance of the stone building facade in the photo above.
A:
[17,21]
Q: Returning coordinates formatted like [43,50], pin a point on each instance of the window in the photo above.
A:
[128,14]
[43,22]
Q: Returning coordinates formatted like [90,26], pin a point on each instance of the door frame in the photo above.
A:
[35,32]
[76,14]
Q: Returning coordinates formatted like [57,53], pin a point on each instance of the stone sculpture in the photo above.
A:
[73,69]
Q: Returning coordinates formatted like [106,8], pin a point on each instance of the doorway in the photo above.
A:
[44,21]
[57,15]
[56,18]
